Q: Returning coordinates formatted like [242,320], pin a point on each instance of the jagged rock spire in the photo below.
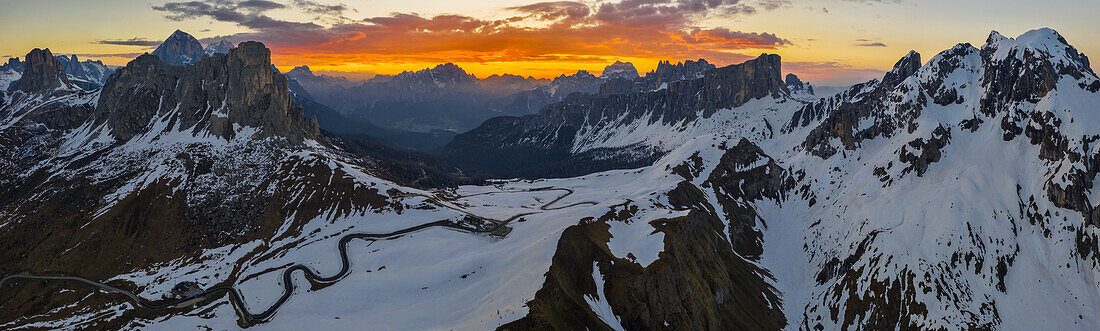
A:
[41,72]
[907,66]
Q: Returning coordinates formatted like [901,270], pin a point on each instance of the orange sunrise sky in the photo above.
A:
[826,42]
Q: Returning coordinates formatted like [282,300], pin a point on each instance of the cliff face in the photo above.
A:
[212,95]
[546,141]
[41,72]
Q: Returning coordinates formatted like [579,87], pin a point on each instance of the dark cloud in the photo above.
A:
[259,5]
[320,9]
[99,55]
[773,4]
[666,13]
[216,10]
[129,42]
[874,44]
[569,12]
[248,14]
[721,36]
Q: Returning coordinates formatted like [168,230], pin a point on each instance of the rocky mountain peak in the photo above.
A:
[300,70]
[619,69]
[797,87]
[219,95]
[666,73]
[71,65]
[42,72]
[1039,45]
[440,75]
[1029,66]
[179,49]
[905,67]
[221,47]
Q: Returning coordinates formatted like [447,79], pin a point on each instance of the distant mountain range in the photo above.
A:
[446,98]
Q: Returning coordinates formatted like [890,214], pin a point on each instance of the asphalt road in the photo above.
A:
[288,282]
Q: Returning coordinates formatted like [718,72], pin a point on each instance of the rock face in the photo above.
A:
[796,85]
[698,282]
[545,144]
[212,95]
[905,67]
[221,47]
[179,49]
[624,70]
[42,72]
[71,65]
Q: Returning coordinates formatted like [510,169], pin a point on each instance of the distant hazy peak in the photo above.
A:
[619,69]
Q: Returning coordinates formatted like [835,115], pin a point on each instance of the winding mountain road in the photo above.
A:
[237,300]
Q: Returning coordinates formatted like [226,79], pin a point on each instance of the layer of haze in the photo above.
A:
[827,42]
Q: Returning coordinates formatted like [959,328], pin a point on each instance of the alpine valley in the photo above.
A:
[199,188]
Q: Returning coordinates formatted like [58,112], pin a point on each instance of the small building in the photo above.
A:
[186,289]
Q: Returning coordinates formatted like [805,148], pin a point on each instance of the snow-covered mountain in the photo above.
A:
[221,47]
[89,75]
[798,89]
[10,72]
[950,194]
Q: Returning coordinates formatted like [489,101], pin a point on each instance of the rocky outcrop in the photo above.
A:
[746,173]
[213,95]
[840,116]
[905,67]
[1028,67]
[796,86]
[179,49]
[699,282]
[541,145]
[667,73]
[42,72]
